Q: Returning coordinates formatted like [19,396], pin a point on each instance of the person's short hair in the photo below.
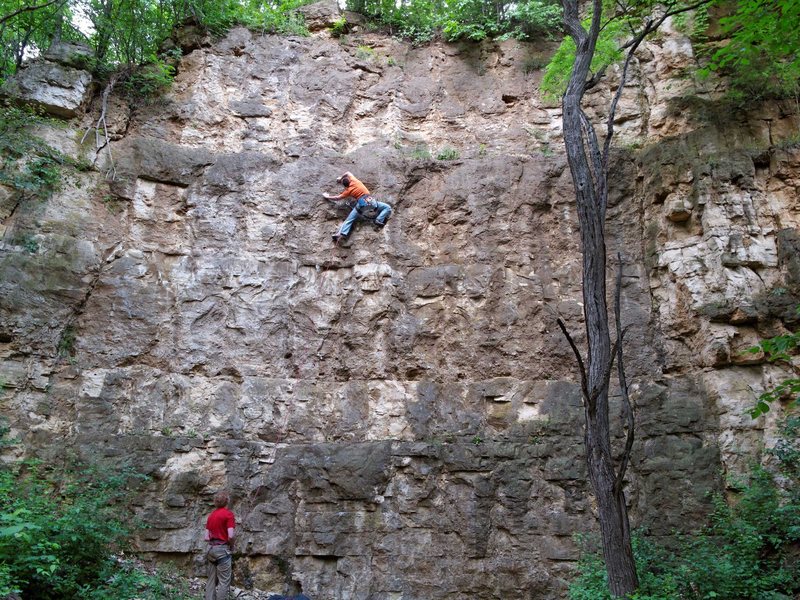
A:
[221,499]
[346,181]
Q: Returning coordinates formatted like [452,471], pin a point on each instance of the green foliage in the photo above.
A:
[618,22]
[31,31]
[365,53]
[535,19]
[58,529]
[592,580]
[216,16]
[27,164]
[268,16]
[747,551]
[66,345]
[421,153]
[150,80]
[472,20]
[415,20]
[778,349]
[693,23]
[475,20]
[274,17]
[448,153]
[763,53]
[339,27]
[607,52]
[126,34]
[126,580]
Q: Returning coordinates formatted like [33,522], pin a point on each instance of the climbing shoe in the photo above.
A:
[379,225]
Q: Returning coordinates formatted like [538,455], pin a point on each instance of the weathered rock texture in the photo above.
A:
[397,418]
[58,82]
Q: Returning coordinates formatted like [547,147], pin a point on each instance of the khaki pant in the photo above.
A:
[218,573]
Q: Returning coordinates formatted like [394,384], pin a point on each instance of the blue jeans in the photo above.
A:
[362,204]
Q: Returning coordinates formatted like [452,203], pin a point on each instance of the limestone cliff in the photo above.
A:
[397,418]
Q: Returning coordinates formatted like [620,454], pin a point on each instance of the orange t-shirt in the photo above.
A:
[356,189]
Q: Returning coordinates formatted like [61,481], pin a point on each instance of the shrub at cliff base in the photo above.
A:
[749,550]
[59,530]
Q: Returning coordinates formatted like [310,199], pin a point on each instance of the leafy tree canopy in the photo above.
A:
[463,19]
[763,54]
[760,51]
[620,22]
[127,33]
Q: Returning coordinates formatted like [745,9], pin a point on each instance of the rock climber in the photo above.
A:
[220,531]
[353,188]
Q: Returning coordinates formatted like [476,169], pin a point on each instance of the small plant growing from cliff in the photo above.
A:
[533,64]
[66,344]
[111,203]
[421,153]
[28,165]
[150,81]
[339,27]
[365,53]
[779,349]
[30,244]
[448,153]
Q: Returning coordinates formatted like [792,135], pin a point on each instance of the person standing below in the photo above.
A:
[355,189]
[220,531]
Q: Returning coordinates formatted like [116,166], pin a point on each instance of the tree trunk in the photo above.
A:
[591,193]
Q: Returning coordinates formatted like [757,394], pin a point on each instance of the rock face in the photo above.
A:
[57,82]
[397,418]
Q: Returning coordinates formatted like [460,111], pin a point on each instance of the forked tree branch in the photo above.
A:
[581,367]
[25,9]
[631,46]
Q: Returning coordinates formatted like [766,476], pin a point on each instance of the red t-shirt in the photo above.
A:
[218,524]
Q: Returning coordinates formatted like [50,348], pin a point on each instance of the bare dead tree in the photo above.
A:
[588,163]
[101,137]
